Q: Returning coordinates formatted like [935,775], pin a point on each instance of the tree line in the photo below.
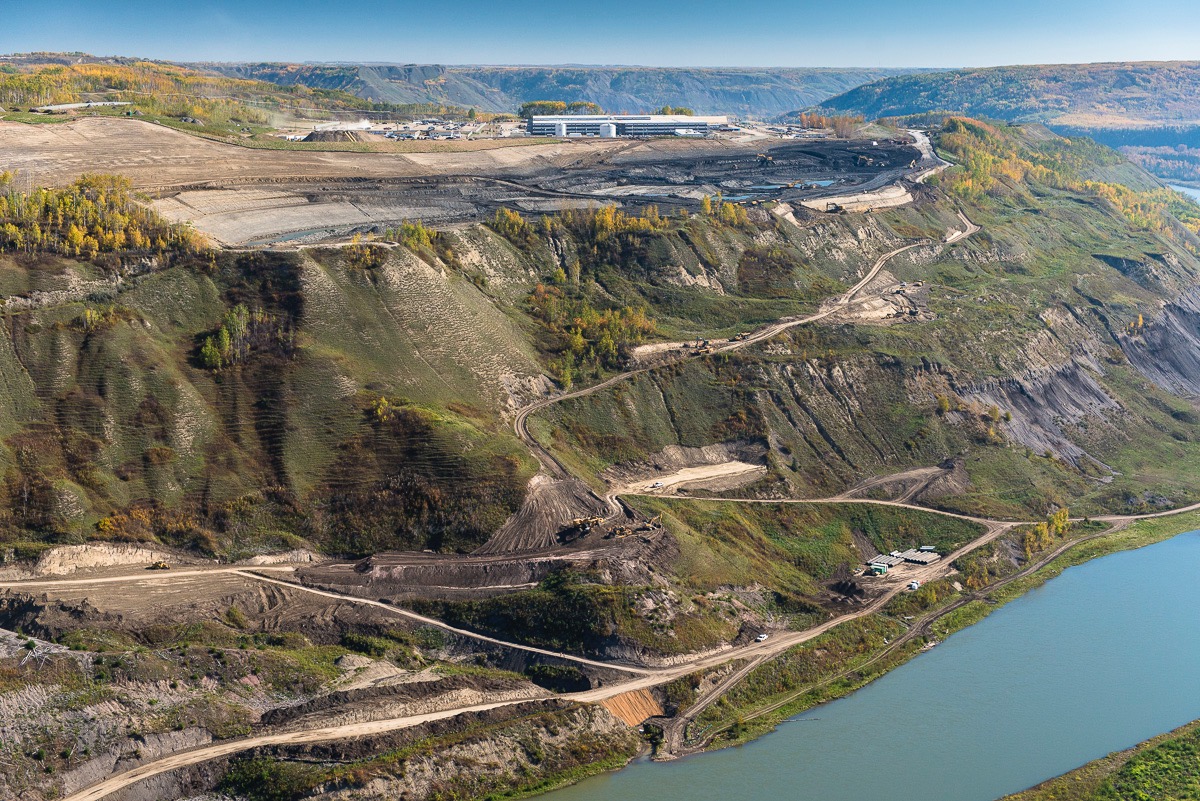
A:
[95,214]
[553,108]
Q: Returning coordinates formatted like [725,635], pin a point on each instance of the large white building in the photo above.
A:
[608,125]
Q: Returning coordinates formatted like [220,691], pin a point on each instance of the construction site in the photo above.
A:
[409,517]
[244,197]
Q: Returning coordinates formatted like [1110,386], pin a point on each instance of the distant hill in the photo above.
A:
[760,92]
[1117,95]
[173,90]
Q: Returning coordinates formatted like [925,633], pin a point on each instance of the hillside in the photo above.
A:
[752,92]
[417,422]
[1150,110]
[1118,95]
[200,102]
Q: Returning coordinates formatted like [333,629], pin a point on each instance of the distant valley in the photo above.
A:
[755,92]
[1150,110]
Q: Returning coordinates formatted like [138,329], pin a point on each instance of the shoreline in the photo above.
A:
[955,615]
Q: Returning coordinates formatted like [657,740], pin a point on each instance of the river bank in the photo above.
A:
[1165,766]
[1191,191]
[641,779]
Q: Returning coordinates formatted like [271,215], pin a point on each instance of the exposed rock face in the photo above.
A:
[68,559]
[1042,403]
[537,748]
[1167,351]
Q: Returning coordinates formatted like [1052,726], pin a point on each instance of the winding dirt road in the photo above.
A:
[641,678]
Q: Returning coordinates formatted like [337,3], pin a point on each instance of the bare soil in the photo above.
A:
[243,196]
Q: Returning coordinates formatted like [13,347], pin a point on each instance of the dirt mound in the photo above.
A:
[548,505]
[335,136]
[675,458]
[409,575]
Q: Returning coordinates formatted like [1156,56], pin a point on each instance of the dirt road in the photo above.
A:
[429,621]
[650,677]
[556,468]
[755,653]
[195,756]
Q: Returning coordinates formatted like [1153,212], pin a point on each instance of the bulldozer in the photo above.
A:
[618,532]
[159,565]
[583,524]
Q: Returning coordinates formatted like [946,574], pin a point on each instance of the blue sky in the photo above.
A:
[651,32]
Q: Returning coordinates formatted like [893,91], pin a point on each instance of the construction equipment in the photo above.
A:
[653,524]
[739,337]
[764,158]
[159,565]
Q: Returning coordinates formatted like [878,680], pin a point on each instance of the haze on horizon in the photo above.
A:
[927,33]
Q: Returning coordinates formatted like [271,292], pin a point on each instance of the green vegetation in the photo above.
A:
[856,652]
[992,160]
[264,779]
[618,272]
[587,339]
[791,549]
[241,331]
[166,90]
[1178,163]
[578,612]
[828,667]
[541,108]
[96,214]
[546,749]
[1165,768]
[748,92]
[231,423]
[1077,252]
[790,552]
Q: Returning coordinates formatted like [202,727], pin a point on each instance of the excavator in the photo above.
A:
[653,524]
[159,565]
[578,527]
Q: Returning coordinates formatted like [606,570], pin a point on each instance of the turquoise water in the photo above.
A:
[1098,659]
[1187,190]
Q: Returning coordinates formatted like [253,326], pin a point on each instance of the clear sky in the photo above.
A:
[651,32]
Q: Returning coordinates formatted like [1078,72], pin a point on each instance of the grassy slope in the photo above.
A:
[856,653]
[1165,768]
[1029,292]
[735,560]
[120,414]
[1112,94]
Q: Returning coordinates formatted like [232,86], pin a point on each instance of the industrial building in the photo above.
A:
[608,126]
[881,563]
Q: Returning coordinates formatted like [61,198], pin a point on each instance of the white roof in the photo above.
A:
[679,120]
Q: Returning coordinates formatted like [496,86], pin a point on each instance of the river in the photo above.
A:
[1096,660]
[1189,191]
